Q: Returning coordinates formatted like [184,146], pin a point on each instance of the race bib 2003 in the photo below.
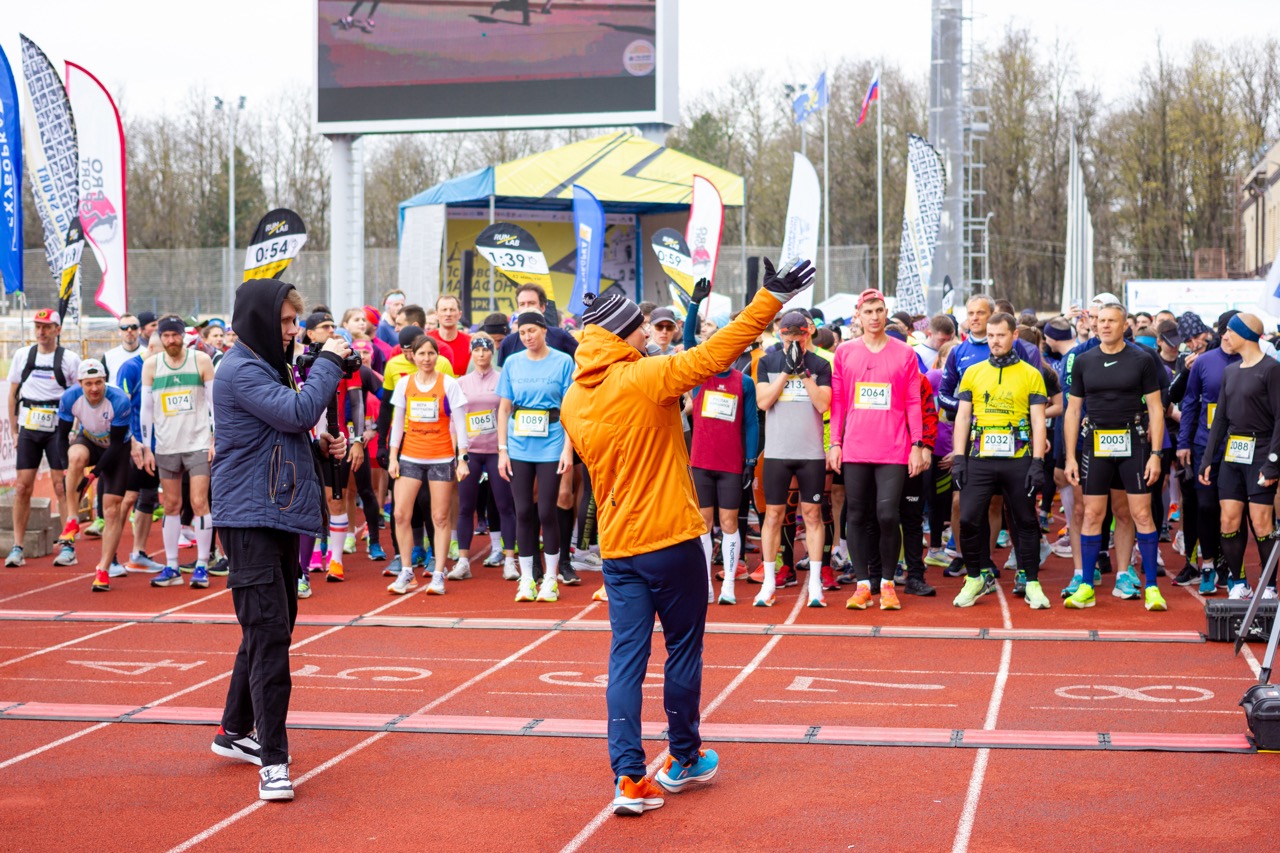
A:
[1112,442]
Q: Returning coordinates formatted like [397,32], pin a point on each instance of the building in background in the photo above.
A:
[1260,214]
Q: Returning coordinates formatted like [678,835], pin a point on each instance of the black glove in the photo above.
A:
[384,455]
[791,282]
[1035,477]
[957,472]
[701,290]
[792,358]
[748,473]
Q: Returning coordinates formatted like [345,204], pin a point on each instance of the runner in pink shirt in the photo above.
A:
[875,403]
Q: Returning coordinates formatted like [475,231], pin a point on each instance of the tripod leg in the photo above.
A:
[1263,581]
[1264,674]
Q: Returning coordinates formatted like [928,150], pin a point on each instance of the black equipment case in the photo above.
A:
[1223,618]
[1261,705]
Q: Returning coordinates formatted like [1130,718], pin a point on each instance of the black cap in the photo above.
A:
[794,320]
[662,315]
[317,318]
[146,318]
[408,334]
[1167,331]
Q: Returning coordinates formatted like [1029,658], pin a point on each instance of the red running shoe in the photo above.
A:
[829,582]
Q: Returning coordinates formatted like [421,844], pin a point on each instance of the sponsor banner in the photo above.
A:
[589,230]
[51,151]
[8,448]
[100,139]
[276,241]
[674,257]
[804,208]
[10,180]
[554,233]
[514,252]
[706,219]
[69,280]
[921,216]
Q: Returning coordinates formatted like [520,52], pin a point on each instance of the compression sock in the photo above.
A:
[338,535]
[553,566]
[706,558]
[1090,547]
[828,533]
[204,538]
[1149,548]
[171,531]
[1265,544]
[1233,553]
[526,568]
[730,547]
[565,519]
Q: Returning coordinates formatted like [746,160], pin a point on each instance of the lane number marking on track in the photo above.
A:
[135,667]
[1107,692]
[806,682]
[405,673]
[572,679]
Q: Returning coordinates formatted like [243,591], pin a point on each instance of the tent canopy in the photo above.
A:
[627,173]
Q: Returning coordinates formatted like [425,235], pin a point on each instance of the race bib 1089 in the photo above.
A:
[532,423]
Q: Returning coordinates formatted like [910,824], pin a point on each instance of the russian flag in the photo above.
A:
[873,93]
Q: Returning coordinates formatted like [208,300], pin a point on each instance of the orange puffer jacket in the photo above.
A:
[622,414]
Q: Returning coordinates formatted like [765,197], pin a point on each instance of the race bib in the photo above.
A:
[177,403]
[996,444]
[1213,407]
[719,405]
[424,411]
[532,423]
[479,423]
[794,390]
[40,419]
[877,396]
[1240,449]
[1112,442]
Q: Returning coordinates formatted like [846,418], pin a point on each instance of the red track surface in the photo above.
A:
[471,722]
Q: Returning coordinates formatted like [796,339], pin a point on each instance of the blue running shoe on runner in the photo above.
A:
[419,556]
[200,577]
[674,775]
[1208,582]
[376,553]
[171,576]
[1127,586]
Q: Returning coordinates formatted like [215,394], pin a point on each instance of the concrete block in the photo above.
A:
[41,510]
[37,543]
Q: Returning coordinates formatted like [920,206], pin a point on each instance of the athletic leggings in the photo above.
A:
[911,515]
[872,493]
[469,496]
[1190,519]
[368,501]
[939,492]
[532,514]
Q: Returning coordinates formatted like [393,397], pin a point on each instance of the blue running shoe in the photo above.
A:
[429,563]
[1208,582]
[171,576]
[376,553]
[674,776]
[419,556]
[200,577]
[1097,578]
[1070,589]
[1127,586]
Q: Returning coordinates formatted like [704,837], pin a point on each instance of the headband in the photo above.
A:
[482,343]
[1238,326]
[172,324]
[1055,334]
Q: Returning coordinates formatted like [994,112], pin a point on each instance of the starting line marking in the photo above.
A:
[716,732]
[918,632]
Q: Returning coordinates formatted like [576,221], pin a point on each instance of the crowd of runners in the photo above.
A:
[887,444]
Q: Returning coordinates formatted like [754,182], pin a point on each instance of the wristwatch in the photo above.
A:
[919,444]
[464,456]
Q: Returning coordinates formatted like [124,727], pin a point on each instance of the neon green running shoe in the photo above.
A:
[1154,600]
[1036,599]
[453,550]
[1081,598]
[970,592]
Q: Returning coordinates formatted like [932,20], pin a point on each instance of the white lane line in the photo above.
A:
[178,693]
[374,738]
[76,579]
[74,642]
[603,815]
[970,810]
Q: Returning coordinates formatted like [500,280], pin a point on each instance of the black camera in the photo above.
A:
[350,364]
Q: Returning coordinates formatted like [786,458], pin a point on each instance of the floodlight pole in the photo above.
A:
[229,293]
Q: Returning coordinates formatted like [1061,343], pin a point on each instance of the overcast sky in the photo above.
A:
[151,53]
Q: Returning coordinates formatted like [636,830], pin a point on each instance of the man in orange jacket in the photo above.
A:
[622,414]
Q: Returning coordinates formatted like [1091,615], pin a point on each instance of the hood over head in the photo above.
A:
[256,319]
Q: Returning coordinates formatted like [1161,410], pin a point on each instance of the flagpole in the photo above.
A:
[879,185]
[826,201]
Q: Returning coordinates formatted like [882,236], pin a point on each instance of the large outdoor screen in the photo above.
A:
[402,65]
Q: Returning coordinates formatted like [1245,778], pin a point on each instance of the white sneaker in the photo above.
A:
[586,561]
[404,582]
[1180,543]
[1011,562]
[549,591]
[528,590]
[1269,594]
[1062,547]
[460,572]
[436,587]
[496,557]
[274,784]
[116,570]
[510,572]
[1240,591]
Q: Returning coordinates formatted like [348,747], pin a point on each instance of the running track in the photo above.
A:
[471,722]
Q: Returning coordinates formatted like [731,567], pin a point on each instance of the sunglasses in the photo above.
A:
[132,327]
